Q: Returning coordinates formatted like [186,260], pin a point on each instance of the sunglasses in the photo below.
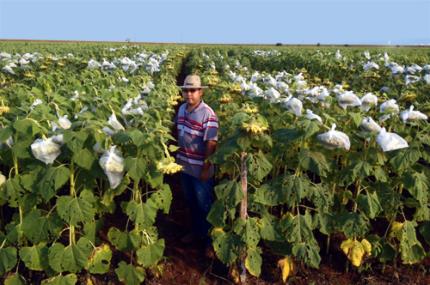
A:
[192,90]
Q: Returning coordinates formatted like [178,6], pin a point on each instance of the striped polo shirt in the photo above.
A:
[195,128]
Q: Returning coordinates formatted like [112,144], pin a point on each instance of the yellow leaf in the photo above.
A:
[367,246]
[396,227]
[287,266]
[89,281]
[346,245]
[356,254]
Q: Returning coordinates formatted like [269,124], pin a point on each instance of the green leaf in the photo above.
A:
[14,279]
[162,198]
[286,136]
[418,185]
[129,274]
[225,246]
[313,161]
[269,229]
[253,261]
[74,210]
[352,224]
[258,166]
[40,228]
[14,191]
[150,254]
[135,167]
[425,231]
[21,148]
[5,133]
[7,259]
[299,227]
[356,118]
[370,204]
[270,194]
[361,169]
[71,258]
[35,257]
[137,137]
[411,250]
[53,179]
[229,192]
[388,253]
[119,239]
[27,127]
[251,235]
[69,279]
[217,214]
[404,159]
[154,177]
[143,214]
[75,140]
[308,252]
[295,188]
[308,128]
[84,158]
[321,196]
[99,260]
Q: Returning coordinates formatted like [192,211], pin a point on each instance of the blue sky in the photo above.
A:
[210,21]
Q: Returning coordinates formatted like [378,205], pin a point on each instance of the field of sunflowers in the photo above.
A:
[321,151]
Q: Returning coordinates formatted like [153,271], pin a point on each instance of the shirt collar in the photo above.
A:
[200,105]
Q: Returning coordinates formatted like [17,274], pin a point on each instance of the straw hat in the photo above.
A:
[192,81]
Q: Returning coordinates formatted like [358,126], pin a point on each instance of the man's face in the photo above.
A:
[192,96]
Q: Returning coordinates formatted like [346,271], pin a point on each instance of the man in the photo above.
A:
[197,127]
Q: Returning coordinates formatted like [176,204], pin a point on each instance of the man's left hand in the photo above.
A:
[204,176]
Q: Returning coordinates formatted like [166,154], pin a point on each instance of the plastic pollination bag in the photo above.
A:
[389,106]
[112,164]
[348,99]
[45,150]
[390,141]
[368,101]
[369,125]
[311,116]
[114,123]
[411,115]
[334,139]
[293,105]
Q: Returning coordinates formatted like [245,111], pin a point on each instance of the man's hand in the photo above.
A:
[210,149]
[204,176]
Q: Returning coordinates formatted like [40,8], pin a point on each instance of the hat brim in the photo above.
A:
[193,87]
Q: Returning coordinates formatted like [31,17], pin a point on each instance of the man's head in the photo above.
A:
[192,90]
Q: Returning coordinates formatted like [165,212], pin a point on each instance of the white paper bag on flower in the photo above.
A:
[64,122]
[411,115]
[348,99]
[390,141]
[369,125]
[272,94]
[293,105]
[368,101]
[114,123]
[112,164]
[45,150]
[389,106]
[93,64]
[311,116]
[334,139]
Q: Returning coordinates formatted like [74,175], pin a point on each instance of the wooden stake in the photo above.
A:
[243,207]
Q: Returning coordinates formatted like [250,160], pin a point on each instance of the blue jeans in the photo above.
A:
[198,195]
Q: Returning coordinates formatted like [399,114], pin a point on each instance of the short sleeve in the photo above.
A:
[210,126]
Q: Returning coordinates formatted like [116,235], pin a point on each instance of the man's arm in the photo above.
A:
[210,149]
